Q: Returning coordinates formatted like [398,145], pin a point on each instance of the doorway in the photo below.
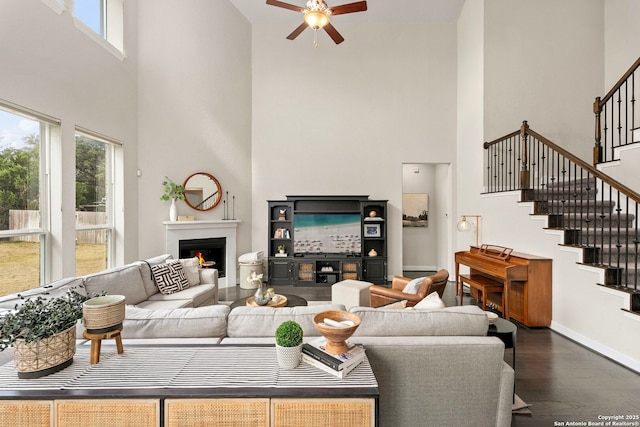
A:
[427,192]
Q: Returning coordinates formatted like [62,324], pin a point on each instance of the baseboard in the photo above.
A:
[419,268]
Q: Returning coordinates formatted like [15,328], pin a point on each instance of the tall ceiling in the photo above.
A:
[378,11]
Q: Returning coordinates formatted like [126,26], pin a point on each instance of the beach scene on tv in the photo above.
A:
[327,233]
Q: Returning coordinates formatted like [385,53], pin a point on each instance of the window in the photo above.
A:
[92,13]
[94,203]
[23,140]
[100,20]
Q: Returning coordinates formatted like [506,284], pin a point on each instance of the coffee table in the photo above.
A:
[292,301]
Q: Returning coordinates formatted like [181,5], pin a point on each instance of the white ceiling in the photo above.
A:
[378,11]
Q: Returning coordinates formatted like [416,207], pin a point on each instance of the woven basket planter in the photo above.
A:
[45,356]
[103,314]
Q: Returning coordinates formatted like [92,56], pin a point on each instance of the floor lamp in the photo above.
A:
[465,225]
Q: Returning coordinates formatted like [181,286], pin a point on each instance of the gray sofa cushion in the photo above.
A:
[53,290]
[263,321]
[166,305]
[200,295]
[149,285]
[125,281]
[463,320]
[209,321]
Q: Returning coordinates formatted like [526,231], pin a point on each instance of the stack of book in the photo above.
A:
[340,365]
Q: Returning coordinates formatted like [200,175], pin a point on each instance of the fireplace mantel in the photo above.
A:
[204,229]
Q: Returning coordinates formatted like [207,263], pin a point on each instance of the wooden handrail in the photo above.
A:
[620,82]
[524,129]
[598,106]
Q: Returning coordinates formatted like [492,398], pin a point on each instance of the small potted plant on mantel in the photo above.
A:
[289,344]
[172,191]
[43,333]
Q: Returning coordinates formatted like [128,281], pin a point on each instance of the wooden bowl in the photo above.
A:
[336,336]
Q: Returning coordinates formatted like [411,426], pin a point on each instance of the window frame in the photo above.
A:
[44,154]
[109,227]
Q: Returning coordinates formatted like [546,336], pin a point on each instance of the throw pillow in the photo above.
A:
[169,277]
[190,267]
[413,286]
[396,304]
[430,302]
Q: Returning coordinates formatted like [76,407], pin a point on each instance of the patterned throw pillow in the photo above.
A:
[169,277]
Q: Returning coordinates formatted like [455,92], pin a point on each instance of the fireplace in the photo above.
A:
[208,232]
[212,249]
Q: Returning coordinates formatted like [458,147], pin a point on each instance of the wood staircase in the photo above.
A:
[594,212]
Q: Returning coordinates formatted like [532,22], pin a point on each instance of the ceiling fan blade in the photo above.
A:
[295,33]
[359,6]
[285,5]
[333,33]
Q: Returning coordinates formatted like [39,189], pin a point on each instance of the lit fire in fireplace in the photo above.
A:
[200,258]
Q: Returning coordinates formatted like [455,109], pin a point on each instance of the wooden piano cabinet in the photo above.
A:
[526,284]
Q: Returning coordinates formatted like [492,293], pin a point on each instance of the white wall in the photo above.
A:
[621,35]
[543,63]
[194,110]
[49,66]
[342,119]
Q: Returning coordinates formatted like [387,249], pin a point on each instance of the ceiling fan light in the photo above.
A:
[316,20]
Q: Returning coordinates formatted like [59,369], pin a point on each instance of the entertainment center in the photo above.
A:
[320,240]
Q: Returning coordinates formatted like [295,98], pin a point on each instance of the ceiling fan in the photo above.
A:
[317,14]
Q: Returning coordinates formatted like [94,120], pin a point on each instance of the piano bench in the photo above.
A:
[484,285]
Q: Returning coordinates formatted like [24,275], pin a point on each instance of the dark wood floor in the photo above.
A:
[560,379]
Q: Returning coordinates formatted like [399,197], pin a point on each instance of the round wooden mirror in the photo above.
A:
[202,191]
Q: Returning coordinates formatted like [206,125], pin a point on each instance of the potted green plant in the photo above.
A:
[282,248]
[43,333]
[289,344]
[172,191]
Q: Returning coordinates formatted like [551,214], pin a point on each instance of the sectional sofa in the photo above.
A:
[432,367]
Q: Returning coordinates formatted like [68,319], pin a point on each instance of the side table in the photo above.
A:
[506,331]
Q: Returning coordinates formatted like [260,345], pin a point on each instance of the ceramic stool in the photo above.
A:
[350,293]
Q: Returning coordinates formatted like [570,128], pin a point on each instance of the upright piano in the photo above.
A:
[517,284]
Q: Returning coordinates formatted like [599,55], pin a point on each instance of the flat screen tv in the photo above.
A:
[327,233]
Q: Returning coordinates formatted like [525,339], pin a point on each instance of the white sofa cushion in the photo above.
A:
[147,278]
[451,321]
[190,267]
[263,321]
[430,302]
[166,305]
[199,295]
[56,289]
[209,321]
[125,280]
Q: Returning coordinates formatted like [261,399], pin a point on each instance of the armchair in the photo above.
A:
[380,295]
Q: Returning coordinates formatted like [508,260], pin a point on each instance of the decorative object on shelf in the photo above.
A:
[373,214]
[283,215]
[289,344]
[465,225]
[202,191]
[282,249]
[372,230]
[415,209]
[43,333]
[336,326]
[373,252]
[103,314]
[172,191]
